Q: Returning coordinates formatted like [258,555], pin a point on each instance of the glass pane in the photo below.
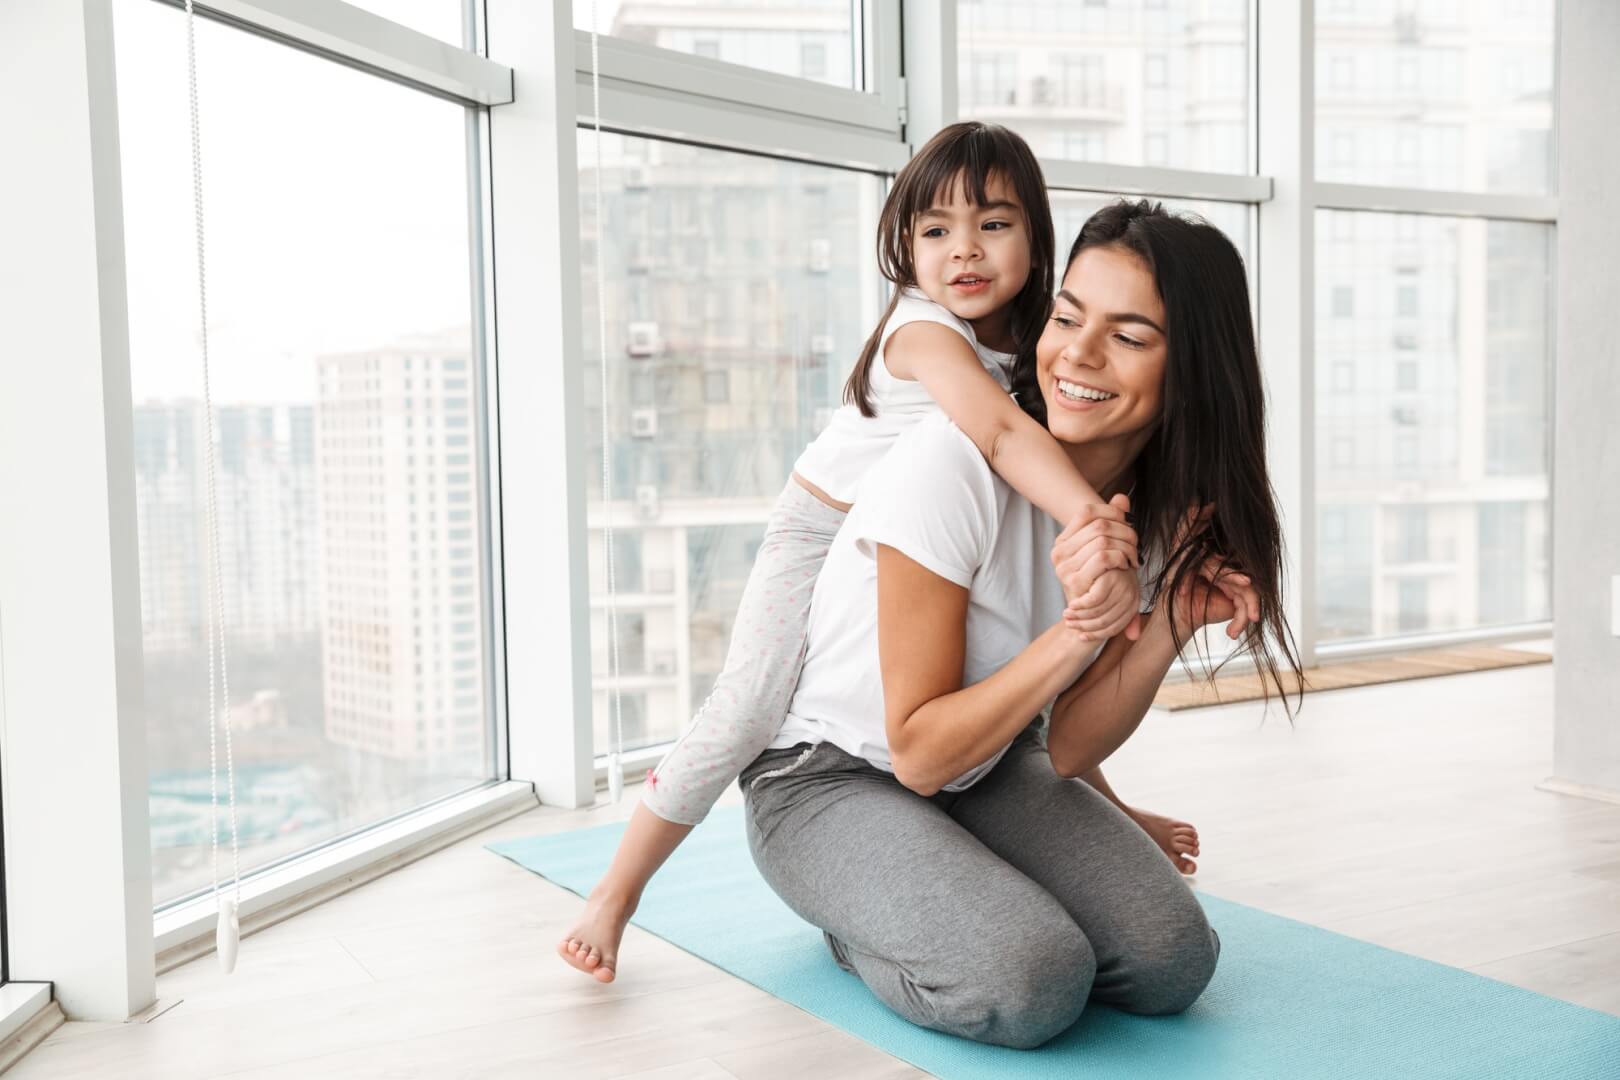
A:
[739,291]
[1433,348]
[443,19]
[1163,83]
[1070,209]
[345,393]
[1438,94]
[817,40]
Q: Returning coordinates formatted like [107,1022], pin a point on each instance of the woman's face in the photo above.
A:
[1102,356]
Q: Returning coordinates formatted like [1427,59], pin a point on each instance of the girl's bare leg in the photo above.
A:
[1177,839]
[592,945]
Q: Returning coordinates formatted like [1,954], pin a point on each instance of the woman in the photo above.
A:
[909,808]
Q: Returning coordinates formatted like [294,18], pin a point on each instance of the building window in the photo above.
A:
[1343,70]
[813,60]
[1406,301]
[1155,70]
[1344,301]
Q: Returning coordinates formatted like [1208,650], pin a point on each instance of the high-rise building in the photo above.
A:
[265,484]
[402,643]
[807,39]
[1162,84]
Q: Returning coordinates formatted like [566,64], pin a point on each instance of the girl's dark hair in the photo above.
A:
[1210,443]
[968,153]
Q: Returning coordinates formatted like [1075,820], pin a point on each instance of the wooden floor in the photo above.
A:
[1404,814]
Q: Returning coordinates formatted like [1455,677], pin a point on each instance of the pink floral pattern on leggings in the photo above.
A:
[750,698]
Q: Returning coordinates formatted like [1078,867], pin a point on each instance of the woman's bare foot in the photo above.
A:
[1177,839]
[592,945]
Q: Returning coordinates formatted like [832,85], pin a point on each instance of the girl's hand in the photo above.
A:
[1109,608]
[1095,558]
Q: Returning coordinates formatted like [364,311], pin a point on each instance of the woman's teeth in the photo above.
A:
[1082,393]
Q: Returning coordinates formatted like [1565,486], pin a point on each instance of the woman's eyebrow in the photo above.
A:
[1121,317]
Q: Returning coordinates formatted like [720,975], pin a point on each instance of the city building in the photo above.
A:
[402,624]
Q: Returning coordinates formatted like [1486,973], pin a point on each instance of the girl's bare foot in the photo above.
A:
[592,945]
[1177,839]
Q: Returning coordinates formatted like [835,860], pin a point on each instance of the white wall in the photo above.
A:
[1586,449]
[78,862]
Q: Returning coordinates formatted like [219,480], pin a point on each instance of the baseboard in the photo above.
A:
[1579,791]
[35,1031]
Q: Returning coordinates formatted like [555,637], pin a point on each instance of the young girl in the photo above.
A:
[966,237]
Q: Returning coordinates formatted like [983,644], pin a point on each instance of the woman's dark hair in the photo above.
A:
[1210,443]
[968,153]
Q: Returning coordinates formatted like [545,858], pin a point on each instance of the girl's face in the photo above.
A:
[972,259]
[1102,356]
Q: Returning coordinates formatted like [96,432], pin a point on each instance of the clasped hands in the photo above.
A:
[1096,559]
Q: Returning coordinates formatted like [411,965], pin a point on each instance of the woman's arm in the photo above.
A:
[937,730]
[1095,716]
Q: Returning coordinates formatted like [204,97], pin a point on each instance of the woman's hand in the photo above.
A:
[1216,593]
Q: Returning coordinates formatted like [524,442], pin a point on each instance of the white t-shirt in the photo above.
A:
[841,456]
[934,499]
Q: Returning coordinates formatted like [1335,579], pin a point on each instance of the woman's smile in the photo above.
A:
[1080,396]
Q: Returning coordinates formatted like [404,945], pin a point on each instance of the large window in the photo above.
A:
[1440,94]
[443,19]
[1433,329]
[739,290]
[1128,84]
[817,40]
[1070,209]
[346,402]
[1432,413]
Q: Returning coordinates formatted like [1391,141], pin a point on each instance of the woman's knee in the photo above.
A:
[1169,975]
[1024,994]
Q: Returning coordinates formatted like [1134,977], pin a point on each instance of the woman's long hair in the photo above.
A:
[968,153]
[1210,443]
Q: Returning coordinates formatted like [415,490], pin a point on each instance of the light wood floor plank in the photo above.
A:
[1585,972]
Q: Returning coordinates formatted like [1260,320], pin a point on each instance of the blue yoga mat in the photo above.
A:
[1288,1000]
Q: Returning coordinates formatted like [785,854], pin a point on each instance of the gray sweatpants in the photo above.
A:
[993,913]
[750,698]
